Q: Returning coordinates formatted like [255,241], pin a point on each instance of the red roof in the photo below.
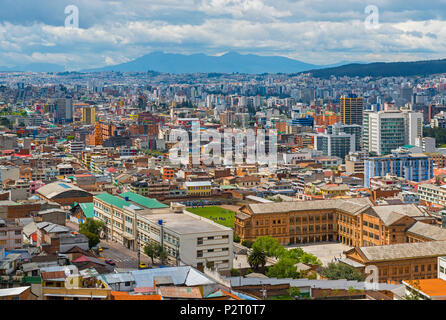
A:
[144,289]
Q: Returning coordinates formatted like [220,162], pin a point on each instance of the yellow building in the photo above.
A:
[198,188]
[64,284]
[89,115]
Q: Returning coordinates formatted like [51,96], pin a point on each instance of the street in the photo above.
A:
[123,257]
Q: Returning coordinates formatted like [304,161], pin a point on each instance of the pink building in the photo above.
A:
[34,185]
[10,235]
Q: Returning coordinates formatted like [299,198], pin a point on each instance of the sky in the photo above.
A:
[313,31]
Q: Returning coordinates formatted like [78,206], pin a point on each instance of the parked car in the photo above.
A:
[110,262]
[143,266]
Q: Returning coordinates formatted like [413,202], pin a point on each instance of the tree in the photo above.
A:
[236,238]
[93,226]
[257,258]
[91,229]
[269,245]
[235,272]
[414,293]
[284,268]
[294,292]
[247,243]
[336,271]
[93,239]
[162,255]
[151,249]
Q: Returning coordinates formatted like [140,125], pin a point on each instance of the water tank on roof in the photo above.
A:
[127,199]
[160,222]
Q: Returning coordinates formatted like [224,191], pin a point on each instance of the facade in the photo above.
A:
[10,235]
[412,167]
[63,110]
[351,109]
[354,222]
[338,145]
[384,131]
[135,220]
[433,194]
[89,115]
[398,262]
[198,188]
[353,129]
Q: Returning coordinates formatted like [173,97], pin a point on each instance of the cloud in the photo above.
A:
[315,31]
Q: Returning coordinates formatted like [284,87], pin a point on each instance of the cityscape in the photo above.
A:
[238,176]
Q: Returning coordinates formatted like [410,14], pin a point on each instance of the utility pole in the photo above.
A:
[137,248]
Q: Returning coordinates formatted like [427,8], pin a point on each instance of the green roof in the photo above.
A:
[144,201]
[228,186]
[114,201]
[87,208]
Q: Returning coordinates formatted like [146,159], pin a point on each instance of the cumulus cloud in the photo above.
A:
[316,31]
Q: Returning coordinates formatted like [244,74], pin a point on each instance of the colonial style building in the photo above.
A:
[355,222]
[398,262]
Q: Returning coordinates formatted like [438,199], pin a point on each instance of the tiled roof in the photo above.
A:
[428,231]
[404,251]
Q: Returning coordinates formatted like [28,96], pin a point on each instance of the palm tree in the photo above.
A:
[257,258]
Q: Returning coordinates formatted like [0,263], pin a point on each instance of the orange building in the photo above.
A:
[168,173]
[354,222]
[398,262]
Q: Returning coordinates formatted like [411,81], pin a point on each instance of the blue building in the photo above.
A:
[411,166]
[307,121]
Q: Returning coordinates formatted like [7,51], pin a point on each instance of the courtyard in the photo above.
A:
[326,251]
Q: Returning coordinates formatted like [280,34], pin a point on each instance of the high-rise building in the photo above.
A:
[353,129]
[89,115]
[63,112]
[411,166]
[385,131]
[338,145]
[351,109]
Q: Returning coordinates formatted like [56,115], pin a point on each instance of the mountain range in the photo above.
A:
[200,63]
[233,62]
[383,69]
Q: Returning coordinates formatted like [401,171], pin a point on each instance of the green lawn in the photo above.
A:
[217,214]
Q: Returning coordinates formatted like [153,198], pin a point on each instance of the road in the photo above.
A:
[123,257]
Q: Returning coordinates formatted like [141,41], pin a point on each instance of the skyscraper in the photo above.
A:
[89,115]
[385,131]
[351,109]
[63,112]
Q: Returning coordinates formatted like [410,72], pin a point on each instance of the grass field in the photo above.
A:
[217,214]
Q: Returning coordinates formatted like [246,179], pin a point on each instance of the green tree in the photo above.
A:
[269,245]
[414,294]
[294,292]
[93,239]
[336,271]
[257,259]
[236,238]
[247,243]
[152,250]
[235,272]
[162,255]
[284,268]
[93,226]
